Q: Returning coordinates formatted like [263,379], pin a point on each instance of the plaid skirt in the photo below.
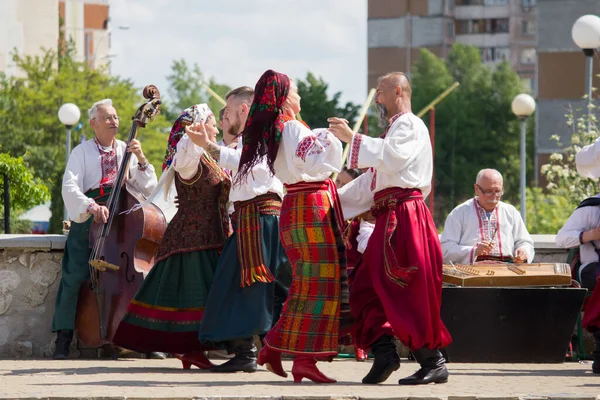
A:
[310,321]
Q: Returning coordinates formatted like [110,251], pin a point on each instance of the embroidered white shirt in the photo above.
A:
[84,172]
[307,155]
[468,224]
[402,159]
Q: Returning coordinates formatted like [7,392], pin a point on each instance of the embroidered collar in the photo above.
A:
[105,148]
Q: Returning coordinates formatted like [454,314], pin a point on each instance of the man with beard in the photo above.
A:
[253,273]
[485,228]
[397,290]
[229,135]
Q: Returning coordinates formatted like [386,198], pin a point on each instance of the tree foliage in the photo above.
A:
[186,89]
[564,181]
[474,126]
[317,106]
[29,126]
[26,191]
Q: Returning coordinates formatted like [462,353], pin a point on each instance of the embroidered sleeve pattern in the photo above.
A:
[143,167]
[354,149]
[311,145]
[91,207]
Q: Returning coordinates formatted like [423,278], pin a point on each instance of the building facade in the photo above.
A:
[27,27]
[501,29]
[86,23]
[30,26]
[560,72]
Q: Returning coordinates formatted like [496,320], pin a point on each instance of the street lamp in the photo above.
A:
[586,35]
[523,105]
[69,115]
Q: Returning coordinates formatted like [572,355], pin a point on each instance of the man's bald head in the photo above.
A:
[489,188]
[395,79]
[488,174]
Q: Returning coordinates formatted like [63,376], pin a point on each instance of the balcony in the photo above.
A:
[485,39]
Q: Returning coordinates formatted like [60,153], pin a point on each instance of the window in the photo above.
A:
[496,2]
[528,28]
[469,2]
[494,54]
[470,26]
[528,83]
[499,26]
[528,56]
[450,29]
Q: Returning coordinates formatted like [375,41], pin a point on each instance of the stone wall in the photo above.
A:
[30,268]
[30,274]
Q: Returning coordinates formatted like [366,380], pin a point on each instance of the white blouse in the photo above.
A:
[307,155]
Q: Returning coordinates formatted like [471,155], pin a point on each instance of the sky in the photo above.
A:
[235,41]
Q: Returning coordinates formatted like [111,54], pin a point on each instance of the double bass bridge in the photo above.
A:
[102,265]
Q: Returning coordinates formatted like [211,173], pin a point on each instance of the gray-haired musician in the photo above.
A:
[485,228]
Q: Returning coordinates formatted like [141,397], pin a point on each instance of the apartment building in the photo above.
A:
[501,29]
[86,23]
[29,26]
[26,26]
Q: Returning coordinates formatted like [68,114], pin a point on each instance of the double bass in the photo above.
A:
[123,248]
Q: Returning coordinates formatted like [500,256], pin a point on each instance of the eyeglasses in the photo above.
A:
[490,193]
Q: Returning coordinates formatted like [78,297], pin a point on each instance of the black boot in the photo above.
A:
[244,360]
[596,353]
[433,368]
[386,360]
[63,341]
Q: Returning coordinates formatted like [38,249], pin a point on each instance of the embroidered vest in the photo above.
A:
[201,221]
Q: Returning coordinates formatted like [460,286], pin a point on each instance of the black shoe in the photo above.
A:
[596,353]
[236,364]
[63,341]
[244,360]
[385,362]
[433,368]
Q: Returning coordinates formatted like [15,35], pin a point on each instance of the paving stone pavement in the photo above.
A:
[164,379]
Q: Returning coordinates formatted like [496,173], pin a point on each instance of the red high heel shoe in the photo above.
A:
[196,358]
[272,359]
[306,367]
[360,354]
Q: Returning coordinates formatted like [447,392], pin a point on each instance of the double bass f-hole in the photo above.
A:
[128,277]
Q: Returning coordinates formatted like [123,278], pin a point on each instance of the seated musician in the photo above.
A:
[485,228]
[90,173]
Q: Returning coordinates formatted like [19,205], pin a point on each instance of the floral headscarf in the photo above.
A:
[262,133]
[196,113]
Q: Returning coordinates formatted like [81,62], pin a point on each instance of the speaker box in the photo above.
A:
[510,325]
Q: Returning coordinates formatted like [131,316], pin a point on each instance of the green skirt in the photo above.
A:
[166,311]
[234,312]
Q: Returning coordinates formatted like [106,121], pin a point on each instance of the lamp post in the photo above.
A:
[586,35]
[69,115]
[523,105]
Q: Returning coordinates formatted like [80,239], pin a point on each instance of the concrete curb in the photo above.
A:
[575,397]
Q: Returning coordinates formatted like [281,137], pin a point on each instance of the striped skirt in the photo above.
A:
[310,321]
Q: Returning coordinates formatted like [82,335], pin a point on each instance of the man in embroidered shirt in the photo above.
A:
[397,289]
[89,176]
[485,228]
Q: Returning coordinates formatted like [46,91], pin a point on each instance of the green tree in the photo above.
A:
[29,125]
[186,89]
[25,191]
[474,125]
[561,171]
[317,106]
